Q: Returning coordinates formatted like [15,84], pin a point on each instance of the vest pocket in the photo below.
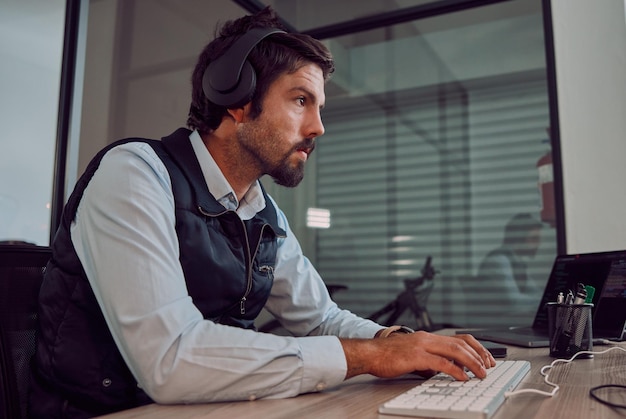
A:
[268,270]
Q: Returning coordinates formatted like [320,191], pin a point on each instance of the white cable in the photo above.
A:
[555,362]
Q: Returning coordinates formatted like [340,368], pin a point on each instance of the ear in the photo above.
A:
[239,114]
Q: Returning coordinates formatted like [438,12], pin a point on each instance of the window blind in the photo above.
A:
[427,172]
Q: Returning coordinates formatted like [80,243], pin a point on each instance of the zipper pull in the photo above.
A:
[242,305]
[269,270]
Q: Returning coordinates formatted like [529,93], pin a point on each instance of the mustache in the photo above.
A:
[308,145]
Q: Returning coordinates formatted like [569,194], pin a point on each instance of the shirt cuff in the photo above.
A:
[324,363]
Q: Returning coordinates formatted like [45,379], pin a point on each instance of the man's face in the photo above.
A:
[531,243]
[283,136]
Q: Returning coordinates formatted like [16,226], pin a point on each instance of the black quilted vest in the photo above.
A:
[228,265]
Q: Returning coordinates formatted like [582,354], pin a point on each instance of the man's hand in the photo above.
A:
[421,352]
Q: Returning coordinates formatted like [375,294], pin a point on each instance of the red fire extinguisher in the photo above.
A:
[546,188]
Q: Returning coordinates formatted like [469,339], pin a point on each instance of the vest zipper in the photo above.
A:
[252,256]
[242,301]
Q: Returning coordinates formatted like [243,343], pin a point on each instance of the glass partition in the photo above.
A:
[434,134]
[435,130]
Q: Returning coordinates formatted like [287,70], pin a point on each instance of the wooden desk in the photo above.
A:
[360,396]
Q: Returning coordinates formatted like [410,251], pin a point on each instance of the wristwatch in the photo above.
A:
[395,329]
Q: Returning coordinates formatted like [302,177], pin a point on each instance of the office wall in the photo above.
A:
[590,44]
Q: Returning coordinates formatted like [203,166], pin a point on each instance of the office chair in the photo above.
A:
[21,272]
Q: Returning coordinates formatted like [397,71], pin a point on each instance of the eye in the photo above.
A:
[301,100]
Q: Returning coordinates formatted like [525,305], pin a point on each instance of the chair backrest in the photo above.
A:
[21,273]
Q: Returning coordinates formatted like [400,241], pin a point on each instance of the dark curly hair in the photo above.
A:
[275,55]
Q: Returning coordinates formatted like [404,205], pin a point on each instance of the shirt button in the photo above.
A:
[320,386]
[106,382]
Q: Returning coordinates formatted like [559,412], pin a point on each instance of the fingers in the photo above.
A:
[453,354]
[450,367]
[464,355]
[484,354]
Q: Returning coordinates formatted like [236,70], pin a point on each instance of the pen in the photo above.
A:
[558,336]
[581,294]
[590,293]
[560,298]
[579,315]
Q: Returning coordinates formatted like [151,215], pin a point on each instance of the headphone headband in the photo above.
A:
[230,80]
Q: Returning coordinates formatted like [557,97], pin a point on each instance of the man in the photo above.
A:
[168,250]
[502,275]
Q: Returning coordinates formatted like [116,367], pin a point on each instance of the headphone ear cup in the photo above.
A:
[230,80]
[237,95]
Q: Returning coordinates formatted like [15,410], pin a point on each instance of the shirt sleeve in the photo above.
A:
[124,234]
[300,299]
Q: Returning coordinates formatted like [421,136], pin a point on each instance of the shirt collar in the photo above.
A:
[251,203]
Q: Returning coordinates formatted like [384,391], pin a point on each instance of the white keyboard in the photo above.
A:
[442,396]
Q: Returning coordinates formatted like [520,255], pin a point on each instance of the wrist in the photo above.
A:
[383,333]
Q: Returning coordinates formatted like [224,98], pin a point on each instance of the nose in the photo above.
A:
[315,128]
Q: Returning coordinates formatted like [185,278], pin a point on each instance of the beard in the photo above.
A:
[289,176]
[263,145]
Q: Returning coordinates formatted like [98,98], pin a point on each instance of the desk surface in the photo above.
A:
[360,396]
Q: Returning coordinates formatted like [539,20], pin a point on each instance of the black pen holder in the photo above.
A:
[570,329]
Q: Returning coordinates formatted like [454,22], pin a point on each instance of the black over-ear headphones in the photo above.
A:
[230,80]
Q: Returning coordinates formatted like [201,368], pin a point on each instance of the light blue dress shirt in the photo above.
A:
[124,234]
